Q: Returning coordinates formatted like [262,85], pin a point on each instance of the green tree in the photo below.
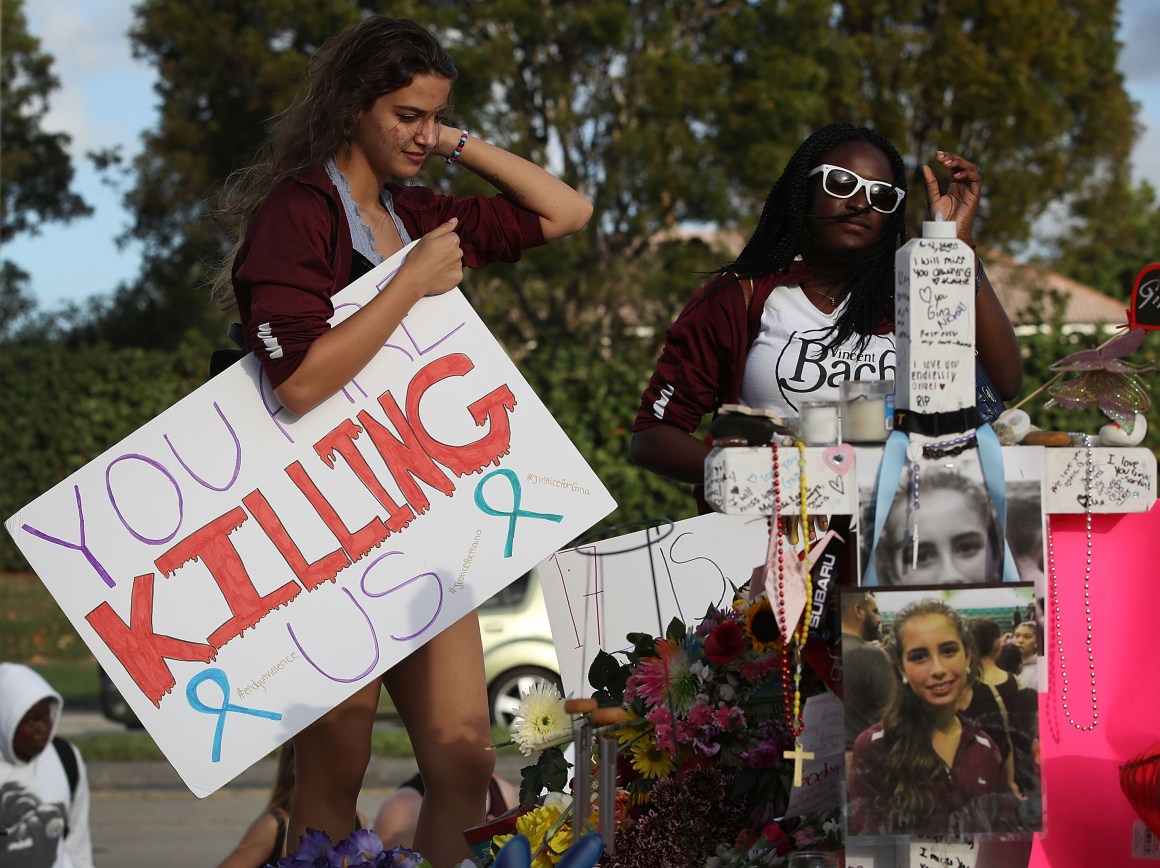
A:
[1029,89]
[36,172]
[1113,233]
[224,70]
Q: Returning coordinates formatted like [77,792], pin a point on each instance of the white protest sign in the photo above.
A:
[600,592]
[824,736]
[288,561]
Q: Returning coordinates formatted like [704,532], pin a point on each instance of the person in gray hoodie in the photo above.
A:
[44,788]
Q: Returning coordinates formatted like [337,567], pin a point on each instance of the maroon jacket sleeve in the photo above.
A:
[863,815]
[702,362]
[285,274]
[491,228]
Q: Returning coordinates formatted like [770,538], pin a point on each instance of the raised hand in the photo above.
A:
[960,203]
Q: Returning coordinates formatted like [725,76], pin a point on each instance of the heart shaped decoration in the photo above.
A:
[1140,781]
[839,458]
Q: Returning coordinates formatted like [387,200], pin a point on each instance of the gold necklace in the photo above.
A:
[833,301]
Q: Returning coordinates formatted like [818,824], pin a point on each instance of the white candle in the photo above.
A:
[864,420]
[867,410]
[820,423]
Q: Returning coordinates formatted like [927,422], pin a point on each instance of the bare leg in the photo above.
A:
[439,692]
[330,760]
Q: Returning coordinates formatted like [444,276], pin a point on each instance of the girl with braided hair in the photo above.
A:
[809,303]
[926,769]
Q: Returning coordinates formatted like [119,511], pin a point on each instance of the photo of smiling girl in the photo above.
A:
[927,769]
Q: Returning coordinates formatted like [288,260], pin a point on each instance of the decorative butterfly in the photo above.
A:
[517,853]
[1106,380]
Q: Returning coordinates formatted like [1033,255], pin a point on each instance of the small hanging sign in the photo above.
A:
[1145,310]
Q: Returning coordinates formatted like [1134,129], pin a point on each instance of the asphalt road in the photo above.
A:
[143,815]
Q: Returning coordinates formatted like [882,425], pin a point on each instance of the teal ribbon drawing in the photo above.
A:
[516,512]
[219,678]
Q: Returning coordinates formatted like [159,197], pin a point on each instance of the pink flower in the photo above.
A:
[756,670]
[724,716]
[700,714]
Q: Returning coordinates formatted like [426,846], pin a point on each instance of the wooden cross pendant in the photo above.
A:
[798,756]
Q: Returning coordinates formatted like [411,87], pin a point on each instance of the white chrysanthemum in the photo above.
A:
[541,719]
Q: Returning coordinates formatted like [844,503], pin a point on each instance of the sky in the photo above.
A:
[106,99]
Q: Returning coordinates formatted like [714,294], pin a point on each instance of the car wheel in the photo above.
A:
[113,704]
[503,694]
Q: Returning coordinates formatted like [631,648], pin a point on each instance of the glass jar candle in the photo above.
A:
[867,410]
[820,423]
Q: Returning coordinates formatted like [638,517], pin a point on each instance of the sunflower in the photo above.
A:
[632,728]
[651,761]
[761,626]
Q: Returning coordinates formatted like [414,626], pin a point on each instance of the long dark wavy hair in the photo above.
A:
[349,72]
[781,230]
[911,764]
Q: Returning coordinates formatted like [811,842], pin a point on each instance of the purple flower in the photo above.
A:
[314,849]
[400,857]
[361,848]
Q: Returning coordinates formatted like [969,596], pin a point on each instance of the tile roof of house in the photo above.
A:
[1017,286]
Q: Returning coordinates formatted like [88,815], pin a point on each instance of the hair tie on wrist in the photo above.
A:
[458,148]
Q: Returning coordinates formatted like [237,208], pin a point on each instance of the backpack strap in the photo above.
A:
[68,759]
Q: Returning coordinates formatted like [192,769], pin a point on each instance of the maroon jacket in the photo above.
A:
[971,796]
[703,361]
[298,253]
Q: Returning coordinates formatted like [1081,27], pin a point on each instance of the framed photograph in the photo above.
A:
[952,748]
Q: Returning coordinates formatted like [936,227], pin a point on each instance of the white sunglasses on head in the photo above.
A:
[842,184]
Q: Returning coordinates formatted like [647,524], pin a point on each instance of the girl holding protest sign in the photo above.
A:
[322,207]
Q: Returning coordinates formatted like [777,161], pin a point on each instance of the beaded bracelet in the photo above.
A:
[458,148]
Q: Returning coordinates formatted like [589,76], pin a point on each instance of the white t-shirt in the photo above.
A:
[789,359]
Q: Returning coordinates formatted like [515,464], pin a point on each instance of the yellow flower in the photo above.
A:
[626,734]
[761,626]
[650,760]
[558,845]
[535,825]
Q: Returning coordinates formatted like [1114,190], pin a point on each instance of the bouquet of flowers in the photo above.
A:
[700,776]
